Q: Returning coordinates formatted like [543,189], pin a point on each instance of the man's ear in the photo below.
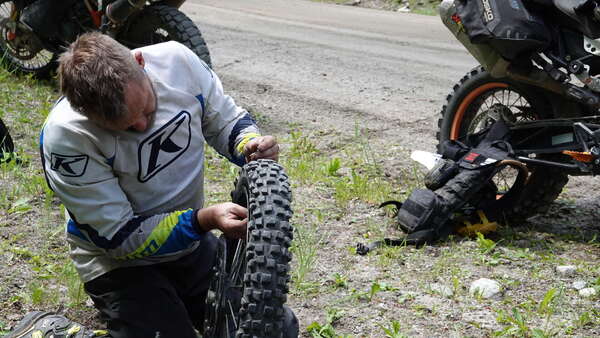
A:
[139,58]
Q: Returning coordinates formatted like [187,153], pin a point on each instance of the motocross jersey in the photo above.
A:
[132,197]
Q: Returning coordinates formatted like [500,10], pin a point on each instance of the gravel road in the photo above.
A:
[331,68]
[327,66]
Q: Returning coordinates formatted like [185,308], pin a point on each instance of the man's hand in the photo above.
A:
[262,147]
[230,218]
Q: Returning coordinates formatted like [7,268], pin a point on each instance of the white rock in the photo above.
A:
[441,289]
[404,9]
[587,292]
[578,284]
[566,270]
[487,288]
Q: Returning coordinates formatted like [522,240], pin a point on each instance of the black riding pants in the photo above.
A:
[163,300]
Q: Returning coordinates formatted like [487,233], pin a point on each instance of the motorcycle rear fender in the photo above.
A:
[484,54]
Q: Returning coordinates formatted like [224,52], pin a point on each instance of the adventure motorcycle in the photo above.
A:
[134,23]
[514,128]
[539,74]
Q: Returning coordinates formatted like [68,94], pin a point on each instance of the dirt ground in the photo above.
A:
[394,292]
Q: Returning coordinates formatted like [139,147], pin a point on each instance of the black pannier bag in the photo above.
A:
[506,25]
[463,179]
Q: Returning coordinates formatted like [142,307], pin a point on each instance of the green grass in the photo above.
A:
[425,7]
[304,248]
[336,193]
[327,329]
[30,215]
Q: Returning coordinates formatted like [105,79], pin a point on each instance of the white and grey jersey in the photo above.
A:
[132,196]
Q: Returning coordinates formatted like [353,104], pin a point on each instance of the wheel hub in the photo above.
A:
[498,112]
[224,297]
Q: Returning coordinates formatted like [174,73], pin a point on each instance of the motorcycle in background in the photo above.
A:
[134,23]
[539,73]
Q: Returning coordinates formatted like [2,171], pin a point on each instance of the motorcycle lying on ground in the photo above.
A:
[250,286]
[514,128]
[134,23]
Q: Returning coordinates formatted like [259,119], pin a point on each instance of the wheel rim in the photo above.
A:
[478,103]
[15,47]
[484,106]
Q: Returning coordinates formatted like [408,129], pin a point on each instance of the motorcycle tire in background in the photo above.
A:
[476,102]
[23,52]
[6,143]
[159,23]
[247,295]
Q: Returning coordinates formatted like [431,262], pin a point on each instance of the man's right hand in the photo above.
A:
[230,218]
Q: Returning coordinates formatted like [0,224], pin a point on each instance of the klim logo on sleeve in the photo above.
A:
[164,146]
[69,165]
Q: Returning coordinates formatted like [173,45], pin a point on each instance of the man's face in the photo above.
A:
[140,100]
[141,105]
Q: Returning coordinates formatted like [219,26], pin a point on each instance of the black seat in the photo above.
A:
[568,6]
[575,14]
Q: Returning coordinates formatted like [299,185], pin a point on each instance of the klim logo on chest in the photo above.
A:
[164,146]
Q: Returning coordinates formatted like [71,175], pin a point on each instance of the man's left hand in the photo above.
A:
[262,147]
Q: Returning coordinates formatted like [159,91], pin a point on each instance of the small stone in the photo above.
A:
[487,288]
[13,317]
[566,270]
[404,9]
[427,302]
[578,284]
[587,292]
[441,289]
[483,318]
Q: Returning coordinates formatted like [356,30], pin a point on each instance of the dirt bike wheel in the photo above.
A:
[160,23]
[477,101]
[247,295]
[16,50]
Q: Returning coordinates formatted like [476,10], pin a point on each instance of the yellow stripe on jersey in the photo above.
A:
[158,237]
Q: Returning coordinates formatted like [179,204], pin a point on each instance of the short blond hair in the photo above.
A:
[93,74]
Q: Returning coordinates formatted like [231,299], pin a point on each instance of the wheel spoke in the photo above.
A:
[238,261]
[232,312]
[514,104]
[227,327]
